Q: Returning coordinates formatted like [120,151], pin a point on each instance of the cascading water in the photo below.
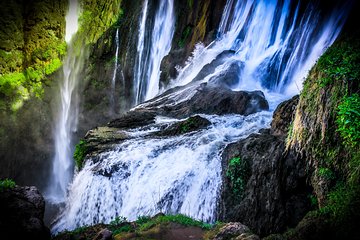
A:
[272,43]
[113,80]
[151,49]
[66,116]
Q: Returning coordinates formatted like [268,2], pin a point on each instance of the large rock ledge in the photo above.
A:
[207,99]
[22,212]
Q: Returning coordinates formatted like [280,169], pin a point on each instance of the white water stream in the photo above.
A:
[113,80]
[66,115]
[152,48]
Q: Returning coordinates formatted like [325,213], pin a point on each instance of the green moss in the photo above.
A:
[81,150]
[238,174]
[97,17]
[6,184]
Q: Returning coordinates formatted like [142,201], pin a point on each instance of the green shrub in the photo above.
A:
[80,153]
[237,174]
[6,184]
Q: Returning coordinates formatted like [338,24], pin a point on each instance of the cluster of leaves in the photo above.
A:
[6,184]
[238,174]
[80,152]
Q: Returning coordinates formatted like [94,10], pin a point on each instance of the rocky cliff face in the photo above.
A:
[264,186]
[31,49]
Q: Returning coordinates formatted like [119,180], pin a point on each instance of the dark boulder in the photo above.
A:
[22,212]
[283,116]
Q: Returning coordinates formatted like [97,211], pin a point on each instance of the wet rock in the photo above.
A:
[283,116]
[22,211]
[231,230]
[189,125]
[133,119]
[210,67]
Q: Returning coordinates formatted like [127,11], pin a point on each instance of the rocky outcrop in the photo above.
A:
[235,230]
[22,212]
[283,116]
[273,194]
[196,21]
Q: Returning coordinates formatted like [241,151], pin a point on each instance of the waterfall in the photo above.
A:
[272,44]
[66,115]
[113,80]
[151,49]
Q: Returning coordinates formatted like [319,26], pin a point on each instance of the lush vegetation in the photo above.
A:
[238,174]
[80,152]
[6,184]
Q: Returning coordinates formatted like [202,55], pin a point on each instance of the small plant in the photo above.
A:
[237,173]
[6,184]
[80,153]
